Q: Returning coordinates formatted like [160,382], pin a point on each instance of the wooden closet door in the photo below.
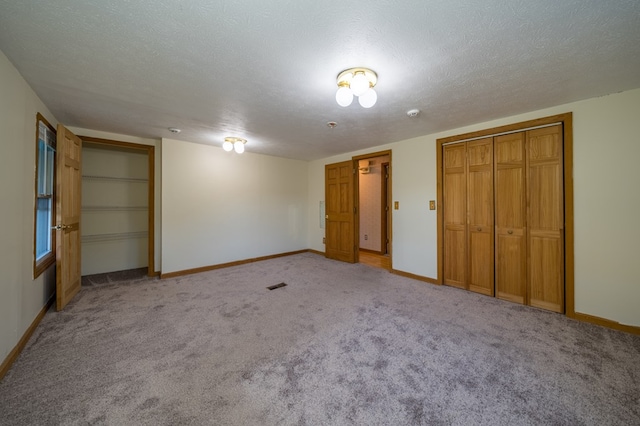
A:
[510,217]
[480,216]
[455,214]
[546,218]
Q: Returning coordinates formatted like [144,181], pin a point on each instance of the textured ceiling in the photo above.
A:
[265,70]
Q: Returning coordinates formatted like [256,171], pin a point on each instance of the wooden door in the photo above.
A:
[340,243]
[510,217]
[384,249]
[480,216]
[455,215]
[68,190]
[545,218]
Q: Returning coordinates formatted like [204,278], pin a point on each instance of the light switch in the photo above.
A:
[396,205]
[432,205]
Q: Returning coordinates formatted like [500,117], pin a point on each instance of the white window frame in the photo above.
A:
[44,244]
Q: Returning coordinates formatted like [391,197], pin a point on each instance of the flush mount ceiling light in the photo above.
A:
[236,144]
[359,82]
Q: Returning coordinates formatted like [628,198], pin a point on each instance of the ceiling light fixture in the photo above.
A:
[232,143]
[359,82]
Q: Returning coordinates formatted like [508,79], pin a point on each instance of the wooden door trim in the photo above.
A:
[356,206]
[373,155]
[567,121]
[384,245]
[569,273]
[150,150]
[515,127]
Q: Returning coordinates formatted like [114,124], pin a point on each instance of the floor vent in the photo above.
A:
[273,287]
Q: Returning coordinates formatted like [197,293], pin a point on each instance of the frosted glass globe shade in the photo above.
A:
[368,98]
[227,146]
[239,147]
[344,96]
[359,84]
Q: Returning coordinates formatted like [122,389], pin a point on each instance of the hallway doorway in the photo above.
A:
[373,200]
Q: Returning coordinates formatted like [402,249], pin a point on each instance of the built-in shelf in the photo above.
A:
[115,179]
[114,208]
[114,237]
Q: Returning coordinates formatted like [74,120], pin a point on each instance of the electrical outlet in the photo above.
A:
[324,240]
[366,237]
[396,205]
[432,205]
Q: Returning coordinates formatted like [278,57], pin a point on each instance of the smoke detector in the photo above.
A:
[174,130]
[412,113]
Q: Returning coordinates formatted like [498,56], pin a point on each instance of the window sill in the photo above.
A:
[43,264]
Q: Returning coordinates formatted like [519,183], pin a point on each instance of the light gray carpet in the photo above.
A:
[341,344]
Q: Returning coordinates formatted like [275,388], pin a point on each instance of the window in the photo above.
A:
[44,240]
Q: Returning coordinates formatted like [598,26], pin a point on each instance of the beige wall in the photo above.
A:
[606,142]
[221,207]
[21,296]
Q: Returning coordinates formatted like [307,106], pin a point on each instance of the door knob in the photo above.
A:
[479,229]
[57,227]
[510,231]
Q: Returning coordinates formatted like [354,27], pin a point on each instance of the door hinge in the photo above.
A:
[354,210]
[354,171]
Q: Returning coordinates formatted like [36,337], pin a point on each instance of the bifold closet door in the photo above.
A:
[503,215]
[480,216]
[510,217]
[546,218]
[455,214]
